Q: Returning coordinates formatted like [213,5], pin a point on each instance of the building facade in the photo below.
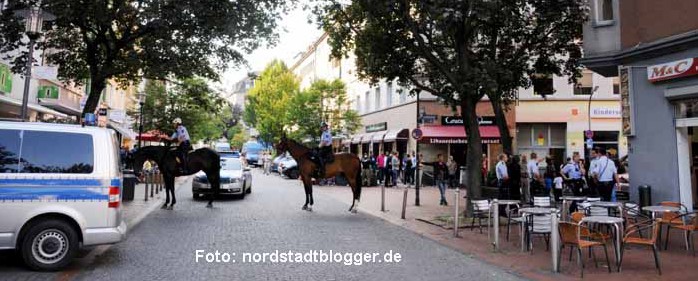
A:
[652,48]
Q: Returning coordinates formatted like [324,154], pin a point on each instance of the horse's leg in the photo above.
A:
[169,182]
[216,186]
[306,183]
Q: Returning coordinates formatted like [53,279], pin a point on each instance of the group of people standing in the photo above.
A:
[520,177]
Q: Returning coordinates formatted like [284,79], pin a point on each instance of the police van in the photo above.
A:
[60,188]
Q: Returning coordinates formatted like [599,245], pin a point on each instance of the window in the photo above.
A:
[616,86]
[357,103]
[542,85]
[584,84]
[389,94]
[378,98]
[56,152]
[9,150]
[604,12]
[367,104]
[403,95]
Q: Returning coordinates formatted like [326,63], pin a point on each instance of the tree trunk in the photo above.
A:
[473,160]
[501,120]
[96,87]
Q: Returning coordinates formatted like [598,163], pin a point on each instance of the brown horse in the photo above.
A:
[344,163]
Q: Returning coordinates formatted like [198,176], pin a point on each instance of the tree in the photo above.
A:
[239,137]
[458,51]
[192,100]
[269,100]
[230,117]
[128,39]
[322,101]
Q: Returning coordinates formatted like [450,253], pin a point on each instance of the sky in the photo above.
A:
[295,35]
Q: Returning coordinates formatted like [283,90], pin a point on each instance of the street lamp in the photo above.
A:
[141,103]
[417,178]
[34,18]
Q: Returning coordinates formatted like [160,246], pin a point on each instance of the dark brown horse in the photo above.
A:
[344,163]
[203,159]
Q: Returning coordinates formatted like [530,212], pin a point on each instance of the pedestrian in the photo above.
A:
[440,176]
[573,174]
[452,168]
[395,161]
[502,173]
[485,169]
[591,183]
[534,174]
[381,167]
[409,170]
[605,175]
[514,171]
[525,180]
[551,171]
[365,170]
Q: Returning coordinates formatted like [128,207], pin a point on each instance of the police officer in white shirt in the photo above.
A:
[534,175]
[593,162]
[502,176]
[181,136]
[325,148]
[606,175]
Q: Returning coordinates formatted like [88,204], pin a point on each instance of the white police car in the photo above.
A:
[60,188]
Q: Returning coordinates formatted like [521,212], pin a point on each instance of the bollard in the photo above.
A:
[495,205]
[455,212]
[152,188]
[146,186]
[554,241]
[157,186]
[382,198]
[404,203]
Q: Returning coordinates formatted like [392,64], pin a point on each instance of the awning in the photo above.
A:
[378,136]
[356,139]
[57,105]
[125,132]
[456,134]
[32,106]
[367,137]
[396,134]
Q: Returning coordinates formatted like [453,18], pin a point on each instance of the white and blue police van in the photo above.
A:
[60,188]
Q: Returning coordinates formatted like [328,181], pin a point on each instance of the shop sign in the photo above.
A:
[428,119]
[455,140]
[605,112]
[672,70]
[458,120]
[377,127]
[626,102]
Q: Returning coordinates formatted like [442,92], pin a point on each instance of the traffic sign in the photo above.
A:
[417,134]
[589,134]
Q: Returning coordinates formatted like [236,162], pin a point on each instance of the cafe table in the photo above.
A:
[617,224]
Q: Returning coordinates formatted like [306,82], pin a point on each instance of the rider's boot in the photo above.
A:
[321,168]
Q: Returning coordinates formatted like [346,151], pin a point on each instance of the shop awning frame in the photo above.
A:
[396,134]
[367,137]
[377,137]
[32,106]
[356,139]
[125,132]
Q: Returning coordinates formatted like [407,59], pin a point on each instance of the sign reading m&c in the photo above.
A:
[672,70]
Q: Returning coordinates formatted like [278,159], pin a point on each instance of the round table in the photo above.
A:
[569,198]
[617,224]
[607,204]
[660,209]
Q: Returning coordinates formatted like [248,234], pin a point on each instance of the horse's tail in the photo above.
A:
[359,182]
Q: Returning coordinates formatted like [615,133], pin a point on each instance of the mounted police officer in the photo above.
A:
[181,136]
[325,148]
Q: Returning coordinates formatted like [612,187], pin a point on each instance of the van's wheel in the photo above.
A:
[195,196]
[249,190]
[49,245]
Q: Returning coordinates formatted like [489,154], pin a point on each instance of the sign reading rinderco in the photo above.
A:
[672,70]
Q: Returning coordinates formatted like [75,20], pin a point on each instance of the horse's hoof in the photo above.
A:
[310,209]
[209,205]
[170,208]
[354,211]
[304,208]
[164,206]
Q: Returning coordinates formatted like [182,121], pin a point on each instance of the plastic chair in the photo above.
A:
[570,235]
[539,225]
[689,226]
[629,238]
[481,209]
[541,201]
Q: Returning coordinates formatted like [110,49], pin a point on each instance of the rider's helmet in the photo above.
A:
[323,125]
[177,120]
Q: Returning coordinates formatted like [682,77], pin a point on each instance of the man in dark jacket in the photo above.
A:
[440,176]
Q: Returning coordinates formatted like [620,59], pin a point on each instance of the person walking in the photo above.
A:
[452,168]
[551,171]
[381,167]
[502,176]
[388,169]
[534,174]
[606,175]
[409,170]
[395,163]
[365,170]
[440,176]
[514,170]
[525,180]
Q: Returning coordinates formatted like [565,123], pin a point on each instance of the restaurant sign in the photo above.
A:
[458,120]
[672,70]
[438,140]
[382,126]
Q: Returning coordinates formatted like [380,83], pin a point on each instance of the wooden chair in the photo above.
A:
[689,226]
[570,235]
[630,238]
[671,219]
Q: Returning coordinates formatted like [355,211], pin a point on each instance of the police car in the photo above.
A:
[60,188]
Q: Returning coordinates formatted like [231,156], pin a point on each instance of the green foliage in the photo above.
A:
[129,39]
[269,100]
[193,101]
[239,137]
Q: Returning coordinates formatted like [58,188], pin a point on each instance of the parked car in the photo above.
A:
[275,162]
[229,154]
[253,151]
[60,189]
[289,167]
[235,179]
[222,147]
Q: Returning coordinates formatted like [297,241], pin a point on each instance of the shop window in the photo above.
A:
[584,84]
[523,136]
[545,139]
[604,12]
[542,85]
[616,85]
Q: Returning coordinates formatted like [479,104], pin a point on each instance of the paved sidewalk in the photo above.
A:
[638,263]
[134,211]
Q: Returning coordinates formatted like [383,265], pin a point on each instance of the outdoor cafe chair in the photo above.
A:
[539,225]
[541,201]
[481,209]
[671,219]
[630,238]
[571,235]
[689,226]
